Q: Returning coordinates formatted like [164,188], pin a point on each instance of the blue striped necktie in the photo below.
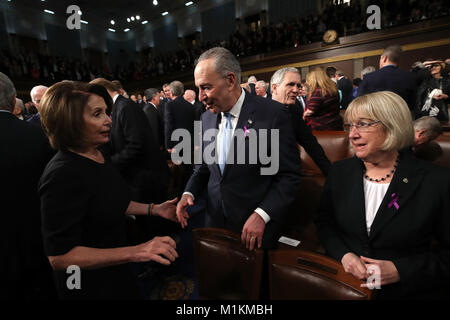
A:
[225,141]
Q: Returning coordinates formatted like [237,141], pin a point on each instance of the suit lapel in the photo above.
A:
[356,207]
[404,183]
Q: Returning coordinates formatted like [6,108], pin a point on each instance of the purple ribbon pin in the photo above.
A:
[245,131]
[394,201]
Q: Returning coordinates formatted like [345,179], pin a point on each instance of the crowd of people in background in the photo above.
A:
[346,19]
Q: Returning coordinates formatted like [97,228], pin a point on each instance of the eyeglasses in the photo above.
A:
[361,126]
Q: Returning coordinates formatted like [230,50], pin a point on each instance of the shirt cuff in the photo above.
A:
[263,214]
[187,192]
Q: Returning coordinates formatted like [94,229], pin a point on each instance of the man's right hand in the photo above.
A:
[182,215]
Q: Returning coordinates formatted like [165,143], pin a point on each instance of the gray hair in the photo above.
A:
[262,83]
[7,93]
[35,89]
[150,93]
[224,62]
[430,125]
[252,79]
[177,88]
[367,70]
[19,103]
[278,76]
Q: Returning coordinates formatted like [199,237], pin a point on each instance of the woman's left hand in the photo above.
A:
[388,272]
[167,210]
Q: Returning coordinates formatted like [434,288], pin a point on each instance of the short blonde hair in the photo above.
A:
[391,110]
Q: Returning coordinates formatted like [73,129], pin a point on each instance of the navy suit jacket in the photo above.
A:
[135,152]
[407,236]
[24,153]
[178,114]
[241,189]
[156,124]
[35,119]
[346,87]
[391,78]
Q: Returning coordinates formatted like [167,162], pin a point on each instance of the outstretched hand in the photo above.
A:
[182,215]
[166,210]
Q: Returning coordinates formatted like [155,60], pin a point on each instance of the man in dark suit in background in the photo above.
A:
[134,150]
[241,197]
[36,95]
[24,153]
[286,84]
[252,84]
[150,109]
[261,89]
[390,78]
[179,114]
[199,108]
[346,87]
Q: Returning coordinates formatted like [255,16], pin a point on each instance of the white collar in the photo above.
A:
[236,110]
[115,97]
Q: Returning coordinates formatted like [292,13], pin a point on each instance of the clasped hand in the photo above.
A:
[363,268]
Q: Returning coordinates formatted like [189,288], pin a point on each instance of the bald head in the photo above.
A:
[189,96]
[36,95]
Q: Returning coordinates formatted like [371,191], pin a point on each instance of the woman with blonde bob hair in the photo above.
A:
[384,213]
[322,106]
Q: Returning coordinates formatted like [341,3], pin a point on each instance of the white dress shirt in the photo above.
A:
[373,195]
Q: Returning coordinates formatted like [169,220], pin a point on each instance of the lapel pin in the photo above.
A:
[394,201]
[405,180]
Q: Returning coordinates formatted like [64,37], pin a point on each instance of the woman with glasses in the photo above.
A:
[322,106]
[433,93]
[384,214]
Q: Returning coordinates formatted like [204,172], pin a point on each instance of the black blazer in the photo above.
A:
[155,122]
[24,153]
[135,152]
[199,108]
[242,188]
[346,87]
[391,78]
[404,236]
[306,139]
[179,114]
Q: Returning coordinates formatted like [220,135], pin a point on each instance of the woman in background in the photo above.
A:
[322,107]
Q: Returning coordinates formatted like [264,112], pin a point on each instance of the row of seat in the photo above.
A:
[226,270]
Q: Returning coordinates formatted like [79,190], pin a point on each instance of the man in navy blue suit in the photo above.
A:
[390,78]
[36,94]
[242,196]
